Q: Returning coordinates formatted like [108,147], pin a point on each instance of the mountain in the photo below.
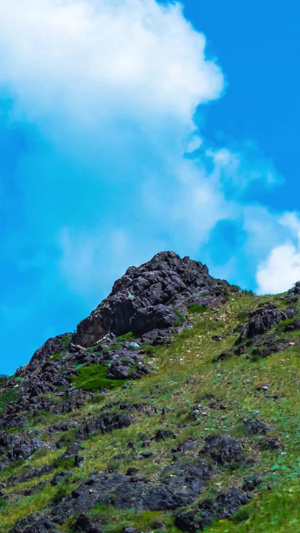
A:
[173,407]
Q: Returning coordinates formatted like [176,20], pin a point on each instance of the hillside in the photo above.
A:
[173,407]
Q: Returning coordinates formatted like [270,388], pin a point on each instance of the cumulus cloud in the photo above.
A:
[281,269]
[104,58]
[112,167]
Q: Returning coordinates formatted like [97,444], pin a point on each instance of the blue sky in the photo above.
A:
[133,126]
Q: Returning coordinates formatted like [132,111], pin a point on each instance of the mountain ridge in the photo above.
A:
[113,417]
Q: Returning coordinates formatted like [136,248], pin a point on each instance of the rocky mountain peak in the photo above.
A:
[177,398]
[147,299]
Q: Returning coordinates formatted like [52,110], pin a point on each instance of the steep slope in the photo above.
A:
[174,407]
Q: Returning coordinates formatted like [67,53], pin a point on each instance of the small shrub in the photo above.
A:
[235,288]
[3,379]
[181,318]
[3,503]
[226,294]
[65,342]
[61,493]
[55,356]
[198,308]
[281,327]
[243,315]
[7,397]
[245,292]
[126,337]
[241,516]
[64,464]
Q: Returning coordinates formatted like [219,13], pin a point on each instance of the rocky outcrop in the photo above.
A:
[179,485]
[223,449]
[222,508]
[263,319]
[145,299]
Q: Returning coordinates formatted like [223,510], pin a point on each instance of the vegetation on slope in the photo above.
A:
[186,396]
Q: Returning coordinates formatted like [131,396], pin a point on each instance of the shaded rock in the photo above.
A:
[264,318]
[163,434]
[255,426]
[223,507]
[144,299]
[223,449]
[13,447]
[293,294]
[269,344]
[251,483]
[83,523]
[293,326]
[229,502]
[104,424]
[34,524]
[178,486]
[188,445]
[269,443]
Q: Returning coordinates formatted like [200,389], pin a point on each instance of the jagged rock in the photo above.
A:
[144,299]
[223,449]
[266,317]
[52,346]
[163,434]
[293,326]
[31,474]
[293,294]
[13,447]
[190,444]
[118,490]
[254,426]
[251,483]
[33,524]
[223,507]
[104,424]
[269,344]
[83,523]
[269,443]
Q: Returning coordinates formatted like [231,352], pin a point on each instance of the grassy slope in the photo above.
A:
[182,374]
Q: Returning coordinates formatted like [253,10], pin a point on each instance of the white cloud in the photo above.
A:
[281,269]
[114,85]
[104,58]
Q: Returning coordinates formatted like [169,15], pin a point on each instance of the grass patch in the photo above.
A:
[181,318]
[94,377]
[65,342]
[197,309]
[55,356]
[126,337]
[7,397]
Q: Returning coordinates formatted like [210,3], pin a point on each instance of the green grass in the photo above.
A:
[55,356]
[126,337]
[8,396]
[94,377]
[181,318]
[197,309]
[183,376]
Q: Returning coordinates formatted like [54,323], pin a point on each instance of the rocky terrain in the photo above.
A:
[173,407]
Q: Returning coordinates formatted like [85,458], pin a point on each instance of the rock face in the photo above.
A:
[125,492]
[263,319]
[143,301]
